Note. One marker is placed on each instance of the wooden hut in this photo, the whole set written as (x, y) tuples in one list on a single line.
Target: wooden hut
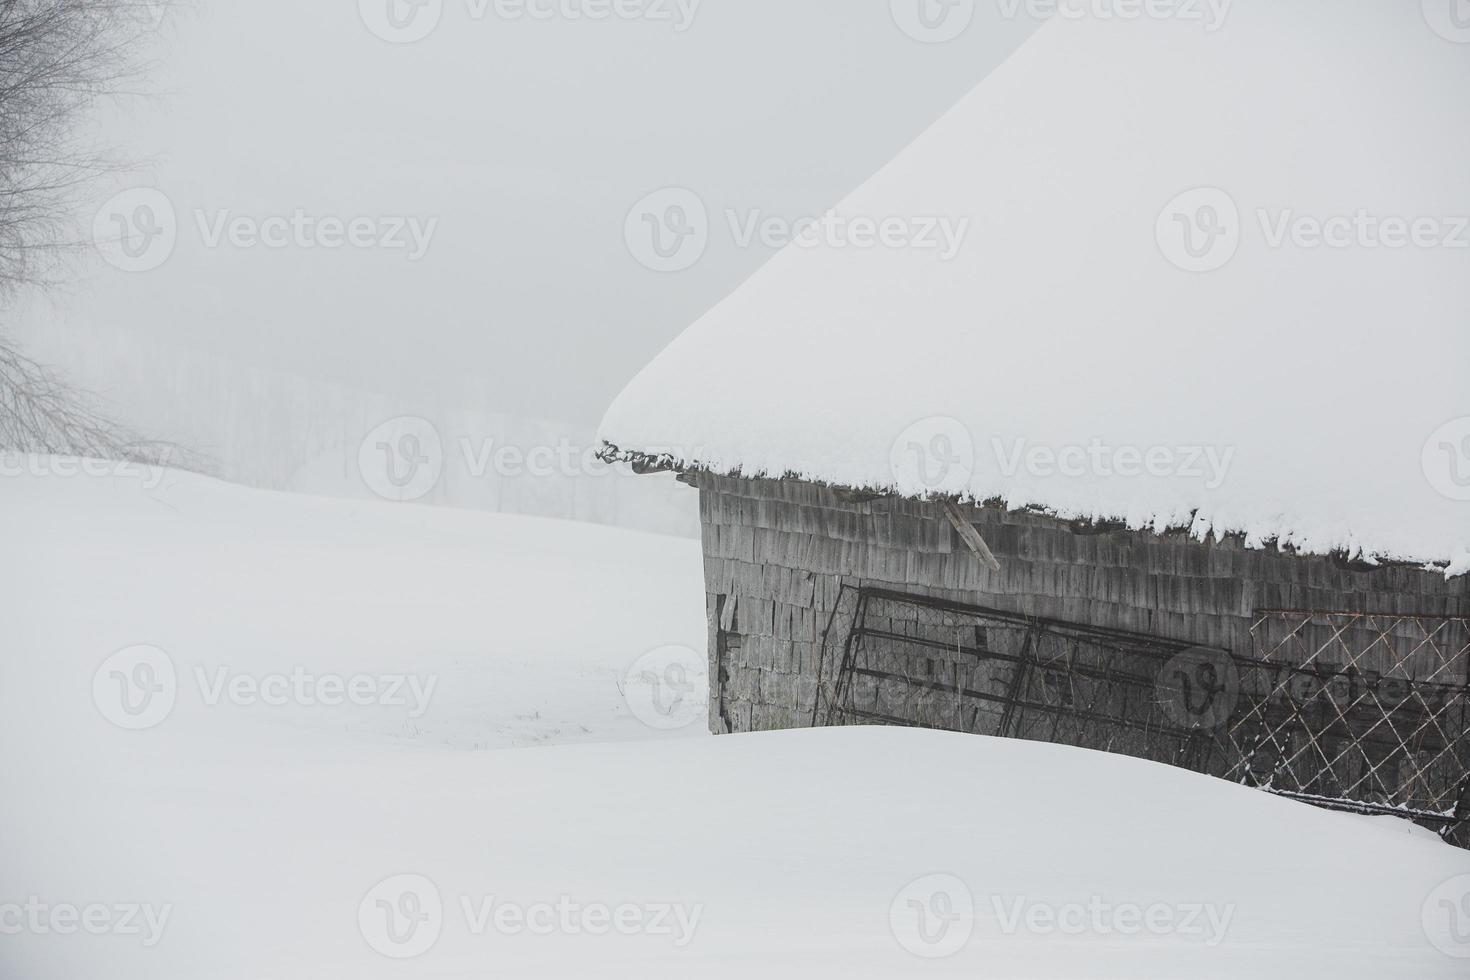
[(879, 433)]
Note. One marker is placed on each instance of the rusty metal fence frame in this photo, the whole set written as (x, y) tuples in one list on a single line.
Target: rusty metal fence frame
[(1303, 715)]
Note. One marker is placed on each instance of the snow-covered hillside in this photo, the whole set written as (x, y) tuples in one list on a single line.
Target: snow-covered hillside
[(150, 833), (527, 625)]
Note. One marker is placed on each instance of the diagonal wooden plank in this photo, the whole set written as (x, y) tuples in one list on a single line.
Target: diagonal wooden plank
[(971, 536)]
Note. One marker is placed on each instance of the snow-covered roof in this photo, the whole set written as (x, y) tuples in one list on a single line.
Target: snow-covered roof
[(1215, 278)]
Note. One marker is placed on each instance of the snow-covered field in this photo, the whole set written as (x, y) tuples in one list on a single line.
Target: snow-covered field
[(178, 801)]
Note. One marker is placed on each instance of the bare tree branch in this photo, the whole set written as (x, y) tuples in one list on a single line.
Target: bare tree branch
[(39, 413), (58, 58)]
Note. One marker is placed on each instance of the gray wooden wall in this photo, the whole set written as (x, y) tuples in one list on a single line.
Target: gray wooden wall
[(777, 552)]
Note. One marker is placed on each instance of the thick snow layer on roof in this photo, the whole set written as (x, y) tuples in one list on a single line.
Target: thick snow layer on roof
[(1209, 278)]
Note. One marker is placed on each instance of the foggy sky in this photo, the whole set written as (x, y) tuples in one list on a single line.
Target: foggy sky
[(528, 141)]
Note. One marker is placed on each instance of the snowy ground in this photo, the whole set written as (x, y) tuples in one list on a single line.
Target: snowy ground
[(527, 624), (242, 839)]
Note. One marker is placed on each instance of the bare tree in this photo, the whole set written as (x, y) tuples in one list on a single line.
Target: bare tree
[(58, 58)]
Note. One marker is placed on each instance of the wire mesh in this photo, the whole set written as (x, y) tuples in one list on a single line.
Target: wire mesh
[(1352, 711)]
